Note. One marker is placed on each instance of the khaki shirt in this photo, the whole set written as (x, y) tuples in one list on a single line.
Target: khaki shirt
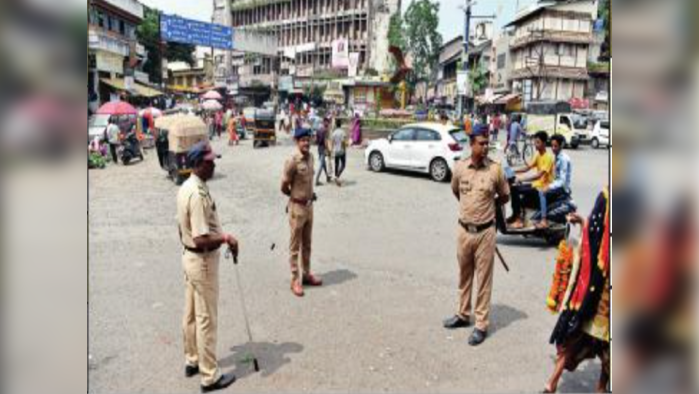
[(196, 211), (299, 173), (477, 188)]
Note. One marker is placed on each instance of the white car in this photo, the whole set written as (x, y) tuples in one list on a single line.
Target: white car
[(600, 134), (429, 148), (97, 127)]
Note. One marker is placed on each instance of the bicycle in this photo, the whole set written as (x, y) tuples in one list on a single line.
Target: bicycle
[(520, 153)]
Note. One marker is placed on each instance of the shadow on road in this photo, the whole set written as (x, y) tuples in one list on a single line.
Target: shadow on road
[(516, 240), (584, 380), (503, 315), (270, 357), (337, 277)]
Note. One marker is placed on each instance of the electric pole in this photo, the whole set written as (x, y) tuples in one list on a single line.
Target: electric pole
[(468, 15)]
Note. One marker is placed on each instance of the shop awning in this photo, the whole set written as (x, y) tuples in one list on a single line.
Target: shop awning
[(504, 100), (138, 89)]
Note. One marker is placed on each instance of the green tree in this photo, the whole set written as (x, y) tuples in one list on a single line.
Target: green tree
[(478, 78), (148, 34), (422, 40), (396, 31)]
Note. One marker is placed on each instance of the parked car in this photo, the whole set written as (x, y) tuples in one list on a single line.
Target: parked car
[(600, 134), (430, 148)]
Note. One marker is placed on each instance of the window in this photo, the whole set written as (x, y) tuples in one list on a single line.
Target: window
[(427, 135), (404, 135), (501, 60)]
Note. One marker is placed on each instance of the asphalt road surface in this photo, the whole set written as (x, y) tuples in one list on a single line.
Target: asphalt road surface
[(384, 245)]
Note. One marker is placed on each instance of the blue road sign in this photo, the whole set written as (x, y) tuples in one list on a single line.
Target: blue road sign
[(187, 31)]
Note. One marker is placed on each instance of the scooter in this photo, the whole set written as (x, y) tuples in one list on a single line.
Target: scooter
[(559, 206), (130, 148)]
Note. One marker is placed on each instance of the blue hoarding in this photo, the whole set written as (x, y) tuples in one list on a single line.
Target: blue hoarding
[(187, 31)]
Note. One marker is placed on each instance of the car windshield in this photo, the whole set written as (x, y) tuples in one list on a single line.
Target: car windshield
[(459, 136), (99, 121), (579, 121)]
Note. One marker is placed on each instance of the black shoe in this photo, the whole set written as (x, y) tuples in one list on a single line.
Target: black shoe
[(224, 381), (477, 337), (455, 322), (191, 370)]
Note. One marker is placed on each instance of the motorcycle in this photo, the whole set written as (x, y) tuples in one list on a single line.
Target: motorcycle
[(559, 205), (130, 148)]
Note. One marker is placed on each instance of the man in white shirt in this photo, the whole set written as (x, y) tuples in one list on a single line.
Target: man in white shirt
[(113, 139), (339, 143)]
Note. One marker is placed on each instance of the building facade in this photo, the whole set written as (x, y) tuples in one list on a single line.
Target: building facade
[(194, 78), (113, 51), (549, 49), (305, 32)]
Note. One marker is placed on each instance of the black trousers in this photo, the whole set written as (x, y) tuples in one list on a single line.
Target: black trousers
[(113, 151), (340, 162), (523, 195)]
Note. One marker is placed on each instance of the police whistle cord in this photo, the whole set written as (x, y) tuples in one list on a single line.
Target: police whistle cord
[(229, 254)]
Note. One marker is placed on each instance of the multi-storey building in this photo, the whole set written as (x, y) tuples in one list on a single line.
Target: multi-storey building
[(113, 49), (549, 49), (305, 31)]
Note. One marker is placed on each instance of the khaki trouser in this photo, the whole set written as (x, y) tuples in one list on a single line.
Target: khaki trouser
[(476, 255), (201, 313), (301, 224)]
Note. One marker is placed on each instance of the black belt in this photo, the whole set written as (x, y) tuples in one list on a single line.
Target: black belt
[(200, 250), (476, 228)]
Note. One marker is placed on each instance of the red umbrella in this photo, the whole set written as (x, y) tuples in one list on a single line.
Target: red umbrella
[(117, 108), (212, 95)]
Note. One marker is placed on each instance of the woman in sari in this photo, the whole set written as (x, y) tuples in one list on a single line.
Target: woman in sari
[(582, 330), (356, 130)]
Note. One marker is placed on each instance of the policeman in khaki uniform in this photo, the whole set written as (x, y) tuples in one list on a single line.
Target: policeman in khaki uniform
[(476, 182), (202, 237), (297, 184)]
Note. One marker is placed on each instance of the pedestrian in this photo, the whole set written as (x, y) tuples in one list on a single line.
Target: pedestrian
[(202, 237), (232, 126), (322, 142), (583, 328), (339, 142), (297, 184), (113, 132), (515, 132), (211, 127), (218, 119), (496, 124), (476, 183), (468, 124), (356, 130)]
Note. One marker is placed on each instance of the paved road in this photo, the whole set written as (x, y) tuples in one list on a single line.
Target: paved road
[(385, 246)]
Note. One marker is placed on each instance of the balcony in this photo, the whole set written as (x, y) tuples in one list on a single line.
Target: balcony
[(133, 7), (552, 36), (101, 41)]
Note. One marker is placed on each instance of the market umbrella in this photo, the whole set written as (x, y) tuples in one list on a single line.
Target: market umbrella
[(117, 108), (212, 95), (211, 105)]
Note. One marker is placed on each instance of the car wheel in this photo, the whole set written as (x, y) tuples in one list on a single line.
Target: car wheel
[(595, 143), (376, 162), (439, 171), (574, 145)]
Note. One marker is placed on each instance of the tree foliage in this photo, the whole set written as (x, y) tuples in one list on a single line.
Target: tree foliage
[(148, 34), (396, 31), (478, 78), (422, 40)]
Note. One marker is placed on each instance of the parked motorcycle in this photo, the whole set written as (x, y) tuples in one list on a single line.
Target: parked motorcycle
[(130, 148)]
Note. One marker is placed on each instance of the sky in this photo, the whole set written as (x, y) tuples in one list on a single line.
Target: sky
[(451, 17)]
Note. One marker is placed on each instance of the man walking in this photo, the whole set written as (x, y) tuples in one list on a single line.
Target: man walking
[(476, 183), (297, 184), (202, 236), (113, 139), (339, 143), (322, 141)]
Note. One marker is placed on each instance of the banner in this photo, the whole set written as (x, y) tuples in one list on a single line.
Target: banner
[(340, 53), (247, 41)]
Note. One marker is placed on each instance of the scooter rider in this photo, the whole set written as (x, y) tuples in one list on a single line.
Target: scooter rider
[(544, 163), (561, 182)]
